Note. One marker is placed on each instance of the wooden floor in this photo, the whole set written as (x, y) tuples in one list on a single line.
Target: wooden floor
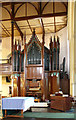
[(44, 110), (34, 119), (47, 110)]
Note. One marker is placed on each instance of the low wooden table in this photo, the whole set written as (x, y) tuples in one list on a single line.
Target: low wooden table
[(60, 103)]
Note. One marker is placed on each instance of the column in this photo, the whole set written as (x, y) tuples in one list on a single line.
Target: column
[(0, 63), (72, 44)]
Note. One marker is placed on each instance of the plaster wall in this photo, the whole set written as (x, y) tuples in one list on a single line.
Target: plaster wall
[(5, 86)]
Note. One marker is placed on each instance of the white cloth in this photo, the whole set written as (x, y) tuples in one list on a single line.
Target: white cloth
[(17, 103)]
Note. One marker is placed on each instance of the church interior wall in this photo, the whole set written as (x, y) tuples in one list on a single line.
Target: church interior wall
[(5, 92)]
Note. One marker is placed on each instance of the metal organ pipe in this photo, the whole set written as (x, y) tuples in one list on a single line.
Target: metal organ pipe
[(51, 55), (58, 49), (18, 57), (54, 53), (14, 56)]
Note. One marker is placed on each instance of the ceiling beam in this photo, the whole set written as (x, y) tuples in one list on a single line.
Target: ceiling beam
[(37, 16), (44, 6), (39, 26), (39, 8), (34, 7), (27, 20), (14, 22), (29, 25), (5, 30), (61, 28), (7, 10), (18, 9), (40, 19), (41, 22), (19, 30), (8, 3), (12, 28), (54, 16)]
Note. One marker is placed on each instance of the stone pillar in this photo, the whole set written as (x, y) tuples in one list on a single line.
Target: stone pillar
[(72, 44), (74, 49), (0, 63)]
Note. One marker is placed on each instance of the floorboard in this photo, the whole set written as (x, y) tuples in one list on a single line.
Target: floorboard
[(35, 119), (43, 111)]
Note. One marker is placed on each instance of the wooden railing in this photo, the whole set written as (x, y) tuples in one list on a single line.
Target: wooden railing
[(5, 61), (5, 66)]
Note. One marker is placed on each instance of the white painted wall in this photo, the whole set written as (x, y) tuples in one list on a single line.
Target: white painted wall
[(64, 47), (0, 62), (5, 86), (6, 47)]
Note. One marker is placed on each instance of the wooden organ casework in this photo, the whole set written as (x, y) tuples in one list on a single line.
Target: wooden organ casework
[(16, 68), (36, 68), (54, 73), (29, 66), (64, 79)]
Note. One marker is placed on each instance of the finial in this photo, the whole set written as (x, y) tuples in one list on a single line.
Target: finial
[(54, 38), (18, 42), (51, 39), (15, 42), (58, 39), (33, 31), (15, 46)]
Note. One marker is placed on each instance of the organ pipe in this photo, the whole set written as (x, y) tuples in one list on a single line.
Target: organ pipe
[(16, 57), (54, 53)]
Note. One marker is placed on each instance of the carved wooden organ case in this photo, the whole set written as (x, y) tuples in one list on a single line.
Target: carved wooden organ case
[(54, 73), (35, 57), (36, 68), (30, 66), (16, 69)]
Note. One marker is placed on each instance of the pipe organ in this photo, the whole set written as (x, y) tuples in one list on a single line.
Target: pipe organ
[(36, 68)]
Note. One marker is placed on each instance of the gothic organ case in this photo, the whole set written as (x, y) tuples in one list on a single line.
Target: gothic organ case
[(30, 66), (16, 69), (54, 73), (36, 68)]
